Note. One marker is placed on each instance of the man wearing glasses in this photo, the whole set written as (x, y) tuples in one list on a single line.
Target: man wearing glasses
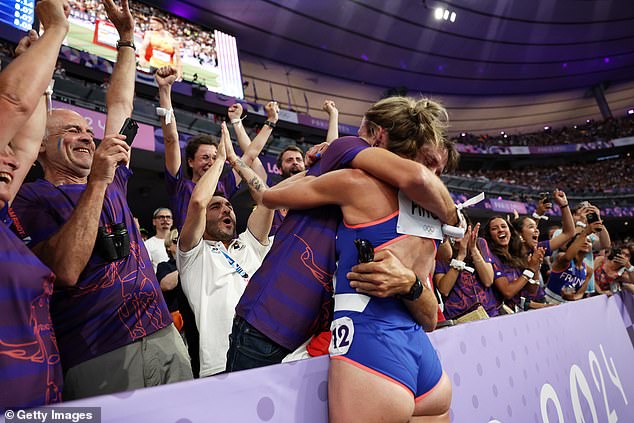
[(162, 222)]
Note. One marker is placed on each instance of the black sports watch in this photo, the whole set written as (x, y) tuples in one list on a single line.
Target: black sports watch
[(415, 291)]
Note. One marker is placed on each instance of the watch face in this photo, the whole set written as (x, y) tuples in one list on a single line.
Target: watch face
[(416, 291)]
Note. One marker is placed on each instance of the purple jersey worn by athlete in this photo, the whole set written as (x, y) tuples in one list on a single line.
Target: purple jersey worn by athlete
[(468, 290), (180, 188), (114, 303), (30, 369), (290, 297)]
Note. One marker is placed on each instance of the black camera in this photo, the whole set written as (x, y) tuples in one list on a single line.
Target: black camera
[(365, 249), (615, 252), (113, 242)]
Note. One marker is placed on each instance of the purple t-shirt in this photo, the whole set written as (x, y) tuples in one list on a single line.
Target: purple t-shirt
[(468, 290), (30, 369), (113, 303), (278, 218), (290, 297), (180, 188)]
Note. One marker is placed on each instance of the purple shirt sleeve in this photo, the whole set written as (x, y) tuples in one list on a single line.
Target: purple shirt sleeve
[(340, 153), (485, 251), (546, 245), (441, 267)]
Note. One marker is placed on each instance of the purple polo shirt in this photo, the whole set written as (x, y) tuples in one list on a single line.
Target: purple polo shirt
[(30, 369), (289, 298), (468, 290), (113, 303), (180, 188)]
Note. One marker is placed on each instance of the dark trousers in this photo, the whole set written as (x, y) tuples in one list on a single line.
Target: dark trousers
[(249, 348)]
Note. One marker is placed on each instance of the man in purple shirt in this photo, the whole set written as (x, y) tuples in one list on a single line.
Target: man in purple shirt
[(30, 370), (281, 309), (113, 328), (201, 150)]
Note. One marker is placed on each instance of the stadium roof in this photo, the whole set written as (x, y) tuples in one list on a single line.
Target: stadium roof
[(492, 47)]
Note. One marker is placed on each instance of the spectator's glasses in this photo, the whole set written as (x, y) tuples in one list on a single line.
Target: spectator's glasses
[(163, 217)]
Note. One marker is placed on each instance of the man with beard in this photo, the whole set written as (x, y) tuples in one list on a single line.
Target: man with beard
[(291, 161), (214, 264)]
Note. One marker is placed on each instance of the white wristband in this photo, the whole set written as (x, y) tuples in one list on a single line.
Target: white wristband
[(459, 265), (528, 273), (49, 96), (630, 269), (539, 217), (168, 113)]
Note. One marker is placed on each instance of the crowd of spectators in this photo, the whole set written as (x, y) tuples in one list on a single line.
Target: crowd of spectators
[(195, 42), (606, 176), (94, 307), (590, 131)]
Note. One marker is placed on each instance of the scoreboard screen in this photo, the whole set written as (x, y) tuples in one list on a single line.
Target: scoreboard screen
[(18, 13)]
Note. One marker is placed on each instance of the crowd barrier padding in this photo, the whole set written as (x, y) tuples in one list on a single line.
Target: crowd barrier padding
[(572, 362)]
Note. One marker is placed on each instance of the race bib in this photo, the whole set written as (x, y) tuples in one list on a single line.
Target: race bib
[(162, 56), (342, 333), (415, 220)]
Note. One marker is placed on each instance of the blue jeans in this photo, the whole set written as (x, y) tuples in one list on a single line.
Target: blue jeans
[(249, 348)]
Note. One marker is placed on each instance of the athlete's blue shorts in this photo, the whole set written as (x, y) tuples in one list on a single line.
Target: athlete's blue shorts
[(403, 353)]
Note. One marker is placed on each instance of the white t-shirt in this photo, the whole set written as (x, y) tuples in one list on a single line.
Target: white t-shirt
[(156, 249), (213, 279)]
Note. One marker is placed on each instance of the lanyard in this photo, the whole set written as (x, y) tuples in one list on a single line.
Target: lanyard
[(234, 265)]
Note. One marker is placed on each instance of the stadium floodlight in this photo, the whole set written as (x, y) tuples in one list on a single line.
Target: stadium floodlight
[(438, 13), (452, 17), (630, 112), (546, 128)]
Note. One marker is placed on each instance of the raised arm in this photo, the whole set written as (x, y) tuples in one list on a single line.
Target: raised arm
[(120, 95), (251, 150), (446, 282), (333, 120), (68, 251), (568, 222), (604, 240), (261, 219), (165, 78), (477, 247), (25, 79), (415, 180), (507, 288), (316, 151), (27, 141), (194, 226)]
